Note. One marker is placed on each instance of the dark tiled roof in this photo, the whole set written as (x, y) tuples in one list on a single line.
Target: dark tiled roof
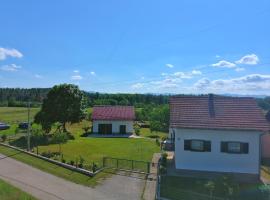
[(113, 113), (240, 113)]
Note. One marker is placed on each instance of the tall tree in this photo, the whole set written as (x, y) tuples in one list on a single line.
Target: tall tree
[(65, 103)]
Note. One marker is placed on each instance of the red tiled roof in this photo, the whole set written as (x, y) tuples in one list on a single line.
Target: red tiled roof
[(113, 113), (240, 113)]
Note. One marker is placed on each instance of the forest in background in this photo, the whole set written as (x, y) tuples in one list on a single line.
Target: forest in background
[(19, 97)]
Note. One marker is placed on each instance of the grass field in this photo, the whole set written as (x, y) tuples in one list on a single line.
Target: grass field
[(8, 192), (16, 114), (13, 116), (182, 188), (52, 168)]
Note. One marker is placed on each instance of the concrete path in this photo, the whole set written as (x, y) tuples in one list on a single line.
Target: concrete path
[(45, 186), (150, 186)]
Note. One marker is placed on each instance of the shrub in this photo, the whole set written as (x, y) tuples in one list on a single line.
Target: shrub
[(63, 160), (71, 162), (4, 137), (81, 161), (94, 167)]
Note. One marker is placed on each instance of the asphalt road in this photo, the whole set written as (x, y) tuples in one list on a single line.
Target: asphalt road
[(45, 186)]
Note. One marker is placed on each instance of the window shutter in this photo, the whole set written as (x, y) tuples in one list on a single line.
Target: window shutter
[(207, 146), (224, 147), (244, 148), (187, 145)]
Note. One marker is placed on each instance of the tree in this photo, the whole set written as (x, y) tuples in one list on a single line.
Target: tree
[(159, 118), (65, 103), (59, 138)]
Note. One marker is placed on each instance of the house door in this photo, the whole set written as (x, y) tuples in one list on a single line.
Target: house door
[(123, 129), (105, 128)]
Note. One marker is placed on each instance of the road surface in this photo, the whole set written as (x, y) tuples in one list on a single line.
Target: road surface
[(45, 186)]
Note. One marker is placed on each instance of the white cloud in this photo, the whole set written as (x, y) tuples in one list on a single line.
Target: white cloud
[(38, 76), (224, 64), (196, 72), (240, 69), (182, 75), (76, 77), (167, 83), (4, 53), (93, 73), (217, 56), (137, 86), (11, 68), (253, 83), (170, 65), (250, 59), (76, 71), (172, 80)]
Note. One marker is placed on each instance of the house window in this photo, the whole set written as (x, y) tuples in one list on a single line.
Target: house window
[(197, 145), (234, 147)]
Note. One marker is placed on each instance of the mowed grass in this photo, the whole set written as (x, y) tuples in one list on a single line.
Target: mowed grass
[(145, 132), (52, 168), (94, 149), (8, 192)]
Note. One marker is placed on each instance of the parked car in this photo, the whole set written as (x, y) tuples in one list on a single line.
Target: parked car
[(23, 125), (4, 126)]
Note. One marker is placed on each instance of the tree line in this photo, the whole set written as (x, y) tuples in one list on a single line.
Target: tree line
[(19, 97)]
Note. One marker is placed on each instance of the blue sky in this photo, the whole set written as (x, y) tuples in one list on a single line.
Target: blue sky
[(137, 46)]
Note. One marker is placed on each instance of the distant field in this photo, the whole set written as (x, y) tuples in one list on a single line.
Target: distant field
[(16, 114), (8, 192)]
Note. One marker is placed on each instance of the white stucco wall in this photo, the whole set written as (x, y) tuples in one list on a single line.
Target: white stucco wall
[(115, 125), (216, 160)]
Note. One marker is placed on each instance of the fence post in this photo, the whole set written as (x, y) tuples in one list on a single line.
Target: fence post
[(116, 163), (148, 167), (132, 164), (103, 161)]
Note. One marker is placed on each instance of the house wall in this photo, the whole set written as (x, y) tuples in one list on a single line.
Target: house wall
[(266, 146), (216, 160), (115, 125)]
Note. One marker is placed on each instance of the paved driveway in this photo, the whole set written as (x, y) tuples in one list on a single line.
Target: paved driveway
[(45, 186)]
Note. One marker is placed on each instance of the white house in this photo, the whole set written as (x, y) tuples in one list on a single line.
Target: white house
[(113, 119), (217, 133)]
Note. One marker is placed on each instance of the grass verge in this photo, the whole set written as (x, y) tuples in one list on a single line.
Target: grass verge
[(52, 168), (8, 192)]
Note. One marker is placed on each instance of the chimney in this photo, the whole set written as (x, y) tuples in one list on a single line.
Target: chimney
[(211, 106)]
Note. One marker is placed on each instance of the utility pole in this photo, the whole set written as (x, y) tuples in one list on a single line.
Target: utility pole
[(28, 128)]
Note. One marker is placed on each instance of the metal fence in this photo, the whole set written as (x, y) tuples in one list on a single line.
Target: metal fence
[(125, 164)]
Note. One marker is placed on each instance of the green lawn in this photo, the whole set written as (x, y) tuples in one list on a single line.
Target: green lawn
[(145, 132), (8, 192), (182, 188), (94, 149), (52, 168)]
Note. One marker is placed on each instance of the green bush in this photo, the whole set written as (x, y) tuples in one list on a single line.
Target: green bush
[(72, 162)]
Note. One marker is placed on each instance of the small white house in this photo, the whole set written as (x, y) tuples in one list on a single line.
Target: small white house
[(217, 133), (113, 119)]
